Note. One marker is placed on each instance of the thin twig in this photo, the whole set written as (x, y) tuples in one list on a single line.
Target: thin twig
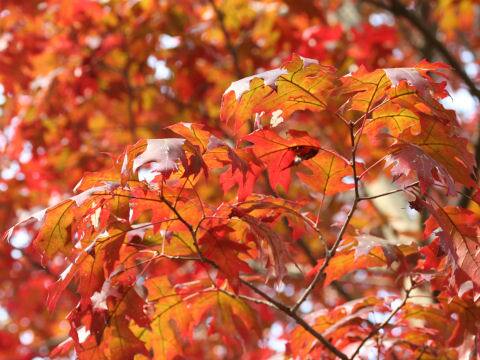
[(187, 224), (383, 324), (247, 298), (388, 193), (319, 276), (313, 261), (379, 161)]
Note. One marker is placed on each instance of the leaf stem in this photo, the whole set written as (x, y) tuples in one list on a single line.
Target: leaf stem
[(379, 161), (388, 192)]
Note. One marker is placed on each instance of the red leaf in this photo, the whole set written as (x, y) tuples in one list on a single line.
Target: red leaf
[(279, 154), (216, 246)]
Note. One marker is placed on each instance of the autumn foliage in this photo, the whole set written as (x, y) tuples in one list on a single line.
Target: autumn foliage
[(238, 180)]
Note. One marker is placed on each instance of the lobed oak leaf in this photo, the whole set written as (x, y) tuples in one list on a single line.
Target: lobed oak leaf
[(300, 84), (55, 234), (38, 216), (408, 97), (132, 307), (197, 141), (216, 246), (434, 155), (232, 318), (459, 237), (434, 320), (56, 222), (146, 204), (243, 171), (364, 89), (418, 76), (107, 249), (393, 119), (120, 342), (90, 350), (168, 241), (414, 89), (194, 133), (467, 314), (56, 289), (337, 324), (270, 210), (94, 179), (101, 190), (348, 260), (268, 207), (406, 157), (90, 276), (396, 96), (275, 254), (165, 153)]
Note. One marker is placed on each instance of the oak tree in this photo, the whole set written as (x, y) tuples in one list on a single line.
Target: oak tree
[(239, 179)]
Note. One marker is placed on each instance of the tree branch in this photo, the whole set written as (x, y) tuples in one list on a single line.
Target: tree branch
[(383, 324), (313, 261), (331, 252), (297, 319)]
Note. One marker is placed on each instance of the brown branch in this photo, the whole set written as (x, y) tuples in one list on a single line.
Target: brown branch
[(383, 324), (313, 262), (320, 274), (297, 319)]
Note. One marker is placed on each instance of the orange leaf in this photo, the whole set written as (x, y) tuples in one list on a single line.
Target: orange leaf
[(300, 84), (328, 173)]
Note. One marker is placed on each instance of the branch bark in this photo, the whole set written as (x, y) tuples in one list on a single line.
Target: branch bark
[(313, 261)]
